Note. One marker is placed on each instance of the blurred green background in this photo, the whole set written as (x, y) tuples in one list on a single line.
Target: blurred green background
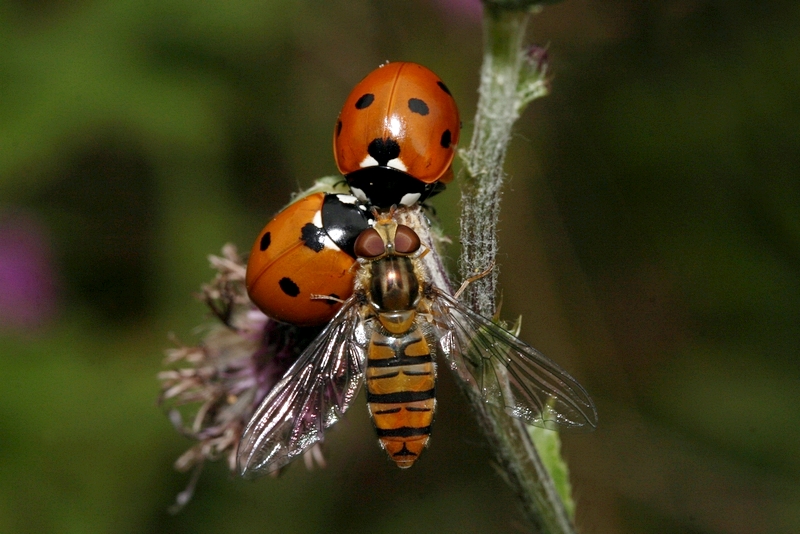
[(650, 239)]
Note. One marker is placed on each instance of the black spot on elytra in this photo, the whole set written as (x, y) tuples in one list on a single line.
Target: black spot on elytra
[(418, 106), (338, 128), (443, 87), (266, 239), (334, 299), (288, 286), (365, 101), (383, 150), (313, 237), (446, 139)]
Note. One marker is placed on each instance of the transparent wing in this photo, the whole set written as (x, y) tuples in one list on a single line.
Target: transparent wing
[(311, 396), (508, 372)]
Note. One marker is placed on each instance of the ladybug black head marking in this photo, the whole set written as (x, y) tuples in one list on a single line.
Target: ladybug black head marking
[(384, 186)]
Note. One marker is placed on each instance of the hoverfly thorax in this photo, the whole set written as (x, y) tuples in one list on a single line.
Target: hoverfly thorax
[(394, 289), (394, 293)]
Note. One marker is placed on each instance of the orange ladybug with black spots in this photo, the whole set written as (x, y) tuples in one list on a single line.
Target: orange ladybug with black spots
[(307, 249), (395, 138)]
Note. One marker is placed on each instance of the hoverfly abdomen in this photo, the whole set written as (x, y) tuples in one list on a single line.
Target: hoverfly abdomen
[(401, 379)]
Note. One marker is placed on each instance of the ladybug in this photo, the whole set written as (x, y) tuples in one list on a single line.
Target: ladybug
[(307, 249), (395, 138)]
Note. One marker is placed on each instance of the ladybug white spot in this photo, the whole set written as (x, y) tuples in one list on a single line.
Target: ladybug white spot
[(347, 199), (359, 193), (369, 161), (409, 199), (332, 236), (397, 164), (327, 242)]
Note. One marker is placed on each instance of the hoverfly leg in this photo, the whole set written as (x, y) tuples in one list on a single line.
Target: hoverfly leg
[(332, 298), (473, 278)]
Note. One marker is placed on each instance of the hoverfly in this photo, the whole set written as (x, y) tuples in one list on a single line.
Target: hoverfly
[(386, 335)]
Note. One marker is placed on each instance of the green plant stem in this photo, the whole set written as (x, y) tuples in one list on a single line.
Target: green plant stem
[(509, 81)]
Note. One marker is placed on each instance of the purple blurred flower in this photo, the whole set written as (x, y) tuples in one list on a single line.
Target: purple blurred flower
[(212, 389), (471, 10), (28, 291)]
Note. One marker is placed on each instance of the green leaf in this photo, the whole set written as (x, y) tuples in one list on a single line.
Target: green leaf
[(548, 444)]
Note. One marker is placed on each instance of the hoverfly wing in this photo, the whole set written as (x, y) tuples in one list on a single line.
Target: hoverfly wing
[(508, 372), (313, 394)]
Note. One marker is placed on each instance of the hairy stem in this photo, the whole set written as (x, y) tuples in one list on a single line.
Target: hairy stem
[(511, 76)]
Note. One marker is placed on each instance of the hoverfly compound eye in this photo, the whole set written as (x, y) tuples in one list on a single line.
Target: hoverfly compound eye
[(369, 244), (406, 240)]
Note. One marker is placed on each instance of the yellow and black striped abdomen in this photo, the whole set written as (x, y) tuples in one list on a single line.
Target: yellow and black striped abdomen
[(401, 379)]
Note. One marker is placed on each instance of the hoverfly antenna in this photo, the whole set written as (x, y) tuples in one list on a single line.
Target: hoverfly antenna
[(385, 216)]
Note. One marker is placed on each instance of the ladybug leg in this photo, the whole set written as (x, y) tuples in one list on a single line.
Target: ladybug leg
[(471, 279)]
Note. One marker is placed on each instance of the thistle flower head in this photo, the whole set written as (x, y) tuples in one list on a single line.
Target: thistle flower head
[(211, 390)]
